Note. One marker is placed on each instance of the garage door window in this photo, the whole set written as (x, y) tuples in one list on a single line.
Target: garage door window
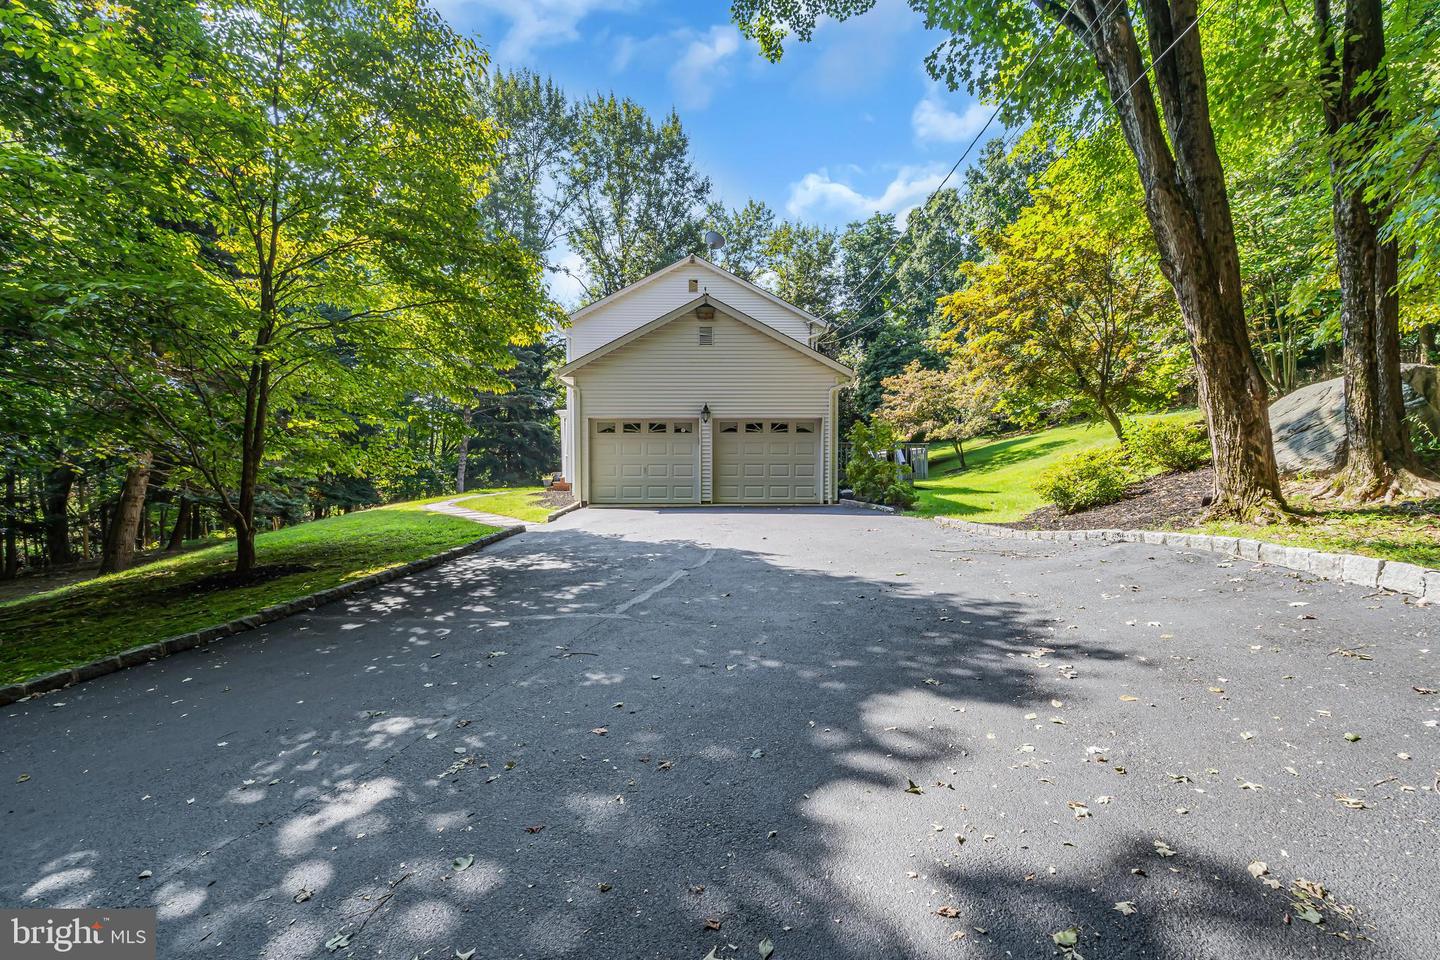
[(684, 428), (754, 428), (731, 427), (779, 426), (632, 426), (605, 427), (655, 426), (804, 428)]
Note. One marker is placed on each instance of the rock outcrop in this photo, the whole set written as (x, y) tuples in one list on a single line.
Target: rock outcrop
[(1309, 424)]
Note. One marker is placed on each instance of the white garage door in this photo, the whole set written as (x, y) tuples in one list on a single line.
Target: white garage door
[(767, 461), (644, 461)]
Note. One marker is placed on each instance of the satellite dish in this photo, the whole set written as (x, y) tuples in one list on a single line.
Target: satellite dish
[(713, 240)]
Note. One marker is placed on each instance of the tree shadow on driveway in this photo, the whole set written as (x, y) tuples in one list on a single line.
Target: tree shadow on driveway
[(589, 746)]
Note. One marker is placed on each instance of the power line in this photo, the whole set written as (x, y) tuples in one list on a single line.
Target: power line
[(895, 272), (1034, 57), (1093, 128)]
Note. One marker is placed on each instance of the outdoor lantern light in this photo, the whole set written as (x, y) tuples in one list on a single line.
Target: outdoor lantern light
[(705, 413)]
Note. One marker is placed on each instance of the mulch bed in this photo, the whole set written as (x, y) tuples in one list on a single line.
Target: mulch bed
[(1167, 500), (556, 499)]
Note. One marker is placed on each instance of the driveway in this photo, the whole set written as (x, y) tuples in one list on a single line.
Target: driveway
[(647, 734)]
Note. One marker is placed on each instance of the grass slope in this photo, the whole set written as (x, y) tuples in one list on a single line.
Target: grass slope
[(999, 486), (522, 503), (81, 622)]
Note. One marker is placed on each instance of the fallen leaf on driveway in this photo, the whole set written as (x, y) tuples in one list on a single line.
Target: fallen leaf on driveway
[(22, 778), (600, 731), (1424, 691), (1126, 907), (460, 863), (466, 955), (338, 941), (948, 911), (1128, 699), (766, 948), (1258, 868), (1163, 849), (913, 787), (711, 923), (536, 828), (604, 887), (1353, 737), (1352, 803), (303, 895)]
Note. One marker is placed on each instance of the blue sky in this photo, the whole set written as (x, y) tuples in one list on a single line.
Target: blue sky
[(843, 126)]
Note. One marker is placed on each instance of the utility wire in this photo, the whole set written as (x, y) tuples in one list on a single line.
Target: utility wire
[(1104, 118), (1034, 57)]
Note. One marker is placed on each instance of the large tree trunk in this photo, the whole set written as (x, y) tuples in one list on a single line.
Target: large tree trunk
[(1189, 213), (1427, 343), (119, 550), (1378, 450), (55, 505)]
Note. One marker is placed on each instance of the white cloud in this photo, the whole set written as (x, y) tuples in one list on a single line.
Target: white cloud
[(816, 196), (933, 122), (701, 69), (533, 23)]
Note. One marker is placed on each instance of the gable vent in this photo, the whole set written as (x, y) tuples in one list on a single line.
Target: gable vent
[(707, 336), (694, 286)]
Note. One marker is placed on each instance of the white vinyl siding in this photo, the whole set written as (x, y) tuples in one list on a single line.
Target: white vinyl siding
[(638, 307), (745, 373)]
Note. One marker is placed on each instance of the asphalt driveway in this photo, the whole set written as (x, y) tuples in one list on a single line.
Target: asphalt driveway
[(641, 734)]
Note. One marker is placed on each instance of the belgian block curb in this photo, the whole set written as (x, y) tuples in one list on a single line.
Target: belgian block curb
[(557, 514), (1391, 575), (199, 638), (866, 505)]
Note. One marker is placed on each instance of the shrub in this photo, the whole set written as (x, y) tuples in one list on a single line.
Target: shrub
[(1083, 480), (871, 474), (1169, 444)]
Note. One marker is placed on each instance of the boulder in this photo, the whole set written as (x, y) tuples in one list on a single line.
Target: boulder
[(1309, 424)]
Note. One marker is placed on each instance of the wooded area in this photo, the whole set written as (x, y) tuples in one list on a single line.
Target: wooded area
[(239, 294)]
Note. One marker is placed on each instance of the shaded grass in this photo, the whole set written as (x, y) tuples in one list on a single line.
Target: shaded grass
[(1408, 532), (522, 503), (999, 486), (77, 623)]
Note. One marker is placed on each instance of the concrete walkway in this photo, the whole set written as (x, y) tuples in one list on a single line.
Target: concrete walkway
[(450, 508)]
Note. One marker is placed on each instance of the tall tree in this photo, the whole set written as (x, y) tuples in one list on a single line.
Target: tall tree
[(337, 254), (800, 266), (746, 230), (1173, 145), (1353, 89), (635, 194)]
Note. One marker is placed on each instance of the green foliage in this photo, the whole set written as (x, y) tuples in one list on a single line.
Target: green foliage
[(1091, 478), (633, 193), (870, 473), (1168, 443)]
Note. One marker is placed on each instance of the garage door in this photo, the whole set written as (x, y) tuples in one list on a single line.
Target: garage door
[(644, 461), (767, 461)]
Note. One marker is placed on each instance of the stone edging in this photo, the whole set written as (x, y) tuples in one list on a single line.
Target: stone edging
[(1393, 575), (199, 638), (867, 505), (557, 514)]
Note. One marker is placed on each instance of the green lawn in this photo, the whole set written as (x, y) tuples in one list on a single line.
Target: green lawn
[(522, 503), (81, 622), (999, 486)]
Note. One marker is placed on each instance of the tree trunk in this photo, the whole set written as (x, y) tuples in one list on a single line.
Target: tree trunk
[(12, 551), (1353, 82), (1427, 343), (182, 518), (1113, 418), (463, 455), (119, 550), (1189, 213), (55, 506)]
